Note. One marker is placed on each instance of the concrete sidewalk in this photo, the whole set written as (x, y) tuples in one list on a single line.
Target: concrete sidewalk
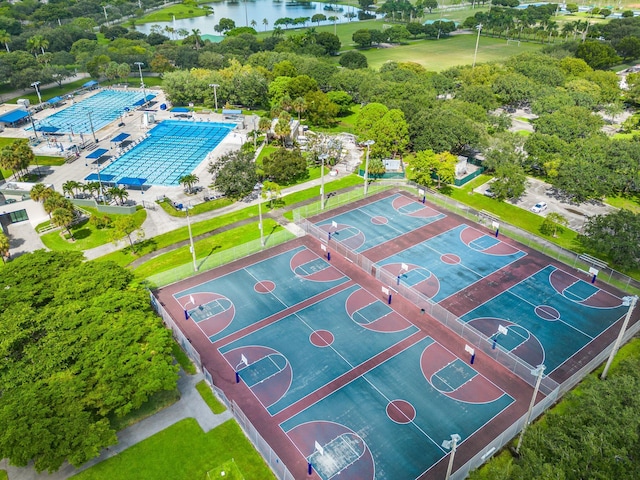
[(190, 405)]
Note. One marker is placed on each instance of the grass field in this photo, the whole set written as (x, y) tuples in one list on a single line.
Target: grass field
[(437, 55), (183, 452), (209, 398)]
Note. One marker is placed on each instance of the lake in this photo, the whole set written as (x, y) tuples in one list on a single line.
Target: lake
[(244, 12)]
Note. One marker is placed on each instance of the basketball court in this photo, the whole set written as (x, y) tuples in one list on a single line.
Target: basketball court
[(342, 375)]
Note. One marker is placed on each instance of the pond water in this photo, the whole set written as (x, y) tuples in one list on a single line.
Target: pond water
[(244, 12)]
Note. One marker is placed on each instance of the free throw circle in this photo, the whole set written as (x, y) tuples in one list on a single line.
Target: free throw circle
[(321, 338), (547, 313), (450, 258), (379, 220), (265, 286), (401, 411)]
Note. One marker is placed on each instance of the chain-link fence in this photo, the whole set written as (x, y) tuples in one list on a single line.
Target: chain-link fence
[(277, 466), (217, 259), (177, 333)]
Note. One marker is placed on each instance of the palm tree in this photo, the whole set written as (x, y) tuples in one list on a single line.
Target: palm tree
[(37, 42), (5, 37), (196, 35), (299, 106), (92, 188), (265, 22), (63, 217), (283, 128), (334, 19), (40, 192), (71, 187), (4, 247), (264, 125), (189, 181), (55, 201), (254, 24)]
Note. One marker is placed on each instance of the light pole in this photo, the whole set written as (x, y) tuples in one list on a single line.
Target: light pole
[(35, 85), (191, 247), (451, 444), (323, 157), (144, 92), (260, 216), (539, 370), (215, 94), (368, 143), (631, 303), (479, 27), (33, 125)]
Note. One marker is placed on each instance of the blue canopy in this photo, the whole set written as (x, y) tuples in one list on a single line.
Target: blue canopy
[(90, 83), (54, 100), (47, 129), (132, 181), (180, 109), (14, 116), (103, 178), (97, 153), (120, 137), (231, 112), (145, 99)]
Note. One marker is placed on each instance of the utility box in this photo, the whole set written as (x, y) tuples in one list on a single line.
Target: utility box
[(23, 102)]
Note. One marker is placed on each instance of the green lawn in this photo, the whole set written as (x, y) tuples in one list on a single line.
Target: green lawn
[(167, 206), (156, 402), (4, 475), (210, 399), (438, 55), (182, 358), (183, 452), (87, 236), (48, 93), (166, 14), (628, 203), (205, 248)]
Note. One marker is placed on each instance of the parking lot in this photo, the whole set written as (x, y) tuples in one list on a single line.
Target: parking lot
[(539, 191)]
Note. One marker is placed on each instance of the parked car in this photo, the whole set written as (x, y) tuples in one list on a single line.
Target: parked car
[(489, 193), (539, 207)]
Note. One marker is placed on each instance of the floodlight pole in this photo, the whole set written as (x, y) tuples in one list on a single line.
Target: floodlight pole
[(33, 124), (323, 157), (93, 133), (451, 444), (479, 27), (144, 92), (35, 85), (538, 371), (368, 143), (631, 302), (215, 92), (191, 247), (260, 217)]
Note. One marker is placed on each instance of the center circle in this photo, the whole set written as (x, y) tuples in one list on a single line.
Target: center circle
[(265, 286), (321, 338), (450, 258), (401, 411), (547, 313), (379, 220)]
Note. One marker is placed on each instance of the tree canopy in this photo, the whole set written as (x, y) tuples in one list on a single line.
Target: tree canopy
[(80, 345)]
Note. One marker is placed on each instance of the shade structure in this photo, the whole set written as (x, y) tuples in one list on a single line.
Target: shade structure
[(97, 153), (104, 178), (90, 83), (54, 100), (132, 181), (180, 109), (47, 129), (120, 137), (14, 116)]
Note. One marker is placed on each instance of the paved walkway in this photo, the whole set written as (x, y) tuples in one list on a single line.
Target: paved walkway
[(190, 405)]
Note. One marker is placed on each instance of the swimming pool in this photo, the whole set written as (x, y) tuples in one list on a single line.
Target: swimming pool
[(100, 109), (172, 149)]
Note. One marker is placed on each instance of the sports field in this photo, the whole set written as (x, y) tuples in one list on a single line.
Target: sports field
[(343, 375)]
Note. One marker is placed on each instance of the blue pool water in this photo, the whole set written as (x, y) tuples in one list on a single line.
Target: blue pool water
[(174, 148), (105, 107)]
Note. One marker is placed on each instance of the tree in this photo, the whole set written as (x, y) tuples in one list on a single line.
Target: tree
[(5, 37), (426, 167), (127, 226), (188, 181), (40, 192), (37, 43), (597, 54), (235, 174), (63, 217), (553, 224), (572, 8), (299, 105), (264, 125), (285, 167), (61, 314), (628, 48), (329, 41), (505, 158), (282, 128), (271, 191), (442, 129), (224, 25), (319, 17), (616, 236), (391, 135), (265, 22), (569, 123), (320, 109), (362, 38), (367, 117), (353, 60), (5, 246)]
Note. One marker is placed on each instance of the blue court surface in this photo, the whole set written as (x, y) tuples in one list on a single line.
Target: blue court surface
[(259, 290), (313, 367), (172, 150), (561, 321), (378, 222), (104, 107), (402, 447), (448, 263)]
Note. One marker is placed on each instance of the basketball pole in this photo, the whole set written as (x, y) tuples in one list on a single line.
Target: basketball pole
[(538, 371), (631, 303), (368, 143)]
